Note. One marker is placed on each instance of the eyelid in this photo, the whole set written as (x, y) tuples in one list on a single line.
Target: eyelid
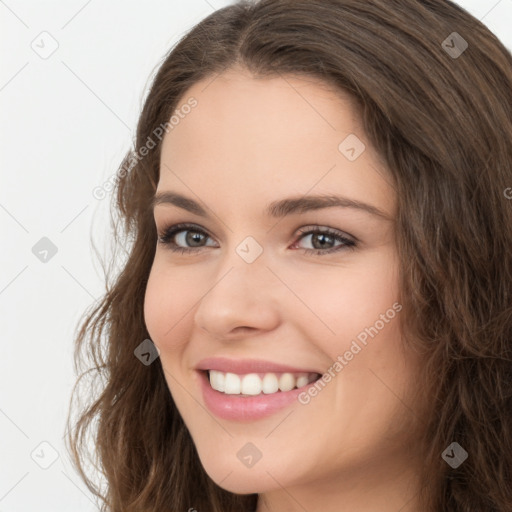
[(300, 231), (321, 227), (347, 240)]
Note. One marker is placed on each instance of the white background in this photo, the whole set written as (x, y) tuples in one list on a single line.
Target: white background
[(66, 122)]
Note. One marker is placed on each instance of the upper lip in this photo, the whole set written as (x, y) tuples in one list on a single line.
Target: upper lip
[(244, 366)]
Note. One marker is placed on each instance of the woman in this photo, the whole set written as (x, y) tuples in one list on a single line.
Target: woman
[(315, 309)]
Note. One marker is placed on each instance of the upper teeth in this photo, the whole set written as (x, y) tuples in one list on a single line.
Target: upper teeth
[(254, 384)]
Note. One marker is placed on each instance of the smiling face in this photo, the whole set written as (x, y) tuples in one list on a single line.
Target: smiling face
[(269, 284)]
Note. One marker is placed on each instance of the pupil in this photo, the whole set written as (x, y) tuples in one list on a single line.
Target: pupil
[(323, 238), (191, 239)]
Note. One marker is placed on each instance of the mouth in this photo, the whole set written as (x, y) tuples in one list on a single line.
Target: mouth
[(252, 396), (254, 384)]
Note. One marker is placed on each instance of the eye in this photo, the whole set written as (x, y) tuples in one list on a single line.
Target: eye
[(323, 238), (196, 236), (173, 237)]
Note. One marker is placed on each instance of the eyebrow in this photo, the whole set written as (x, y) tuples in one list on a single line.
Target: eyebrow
[(277, 209)]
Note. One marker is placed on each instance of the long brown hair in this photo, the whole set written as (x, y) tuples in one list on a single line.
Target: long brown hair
[(434, 89)]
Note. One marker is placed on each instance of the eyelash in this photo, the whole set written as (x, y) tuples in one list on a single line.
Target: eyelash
[(169, 232)]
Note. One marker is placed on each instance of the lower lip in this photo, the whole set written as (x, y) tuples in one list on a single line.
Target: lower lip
[(246, 408)]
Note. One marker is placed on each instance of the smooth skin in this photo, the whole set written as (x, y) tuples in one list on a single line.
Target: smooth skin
[(248, 142)]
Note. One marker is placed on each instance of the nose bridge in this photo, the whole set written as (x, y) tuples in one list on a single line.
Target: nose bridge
[(242, 292), (249, 250), (243, 273)]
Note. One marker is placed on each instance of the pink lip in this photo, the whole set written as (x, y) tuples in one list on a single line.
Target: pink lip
[(246, 408), (244, 366)]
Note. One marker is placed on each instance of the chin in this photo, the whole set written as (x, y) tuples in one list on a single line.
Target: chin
[(235, 477)]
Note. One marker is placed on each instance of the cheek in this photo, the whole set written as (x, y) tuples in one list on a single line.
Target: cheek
[(167, 302), (352, 301), (151, 309)]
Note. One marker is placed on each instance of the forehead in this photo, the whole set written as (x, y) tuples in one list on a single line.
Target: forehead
[(270, 137), (286, 107)]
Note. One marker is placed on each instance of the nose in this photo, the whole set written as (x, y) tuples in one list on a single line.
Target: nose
[(241, 298)]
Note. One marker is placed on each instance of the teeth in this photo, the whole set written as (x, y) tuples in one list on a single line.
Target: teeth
[(217, 380), (232, 384), (302, 381), (286, 382), (270, 384), (253, 384)]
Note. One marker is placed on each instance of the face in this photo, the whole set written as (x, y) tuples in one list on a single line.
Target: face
[(264, 279)]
